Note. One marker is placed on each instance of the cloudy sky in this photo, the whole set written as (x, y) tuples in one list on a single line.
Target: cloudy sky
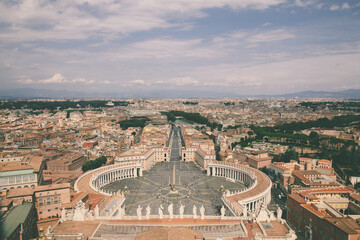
[(241, 46)]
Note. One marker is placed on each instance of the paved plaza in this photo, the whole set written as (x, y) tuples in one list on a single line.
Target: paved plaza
[(192, 185)]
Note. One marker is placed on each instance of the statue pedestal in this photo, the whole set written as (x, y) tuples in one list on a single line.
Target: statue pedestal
[(174, 191)]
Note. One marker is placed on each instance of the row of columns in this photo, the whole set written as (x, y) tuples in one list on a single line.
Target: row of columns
[(256, 205), (241, 176), (230, 173), (119, 174)]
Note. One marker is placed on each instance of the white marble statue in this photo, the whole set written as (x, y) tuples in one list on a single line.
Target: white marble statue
[(161, 214), (278, 213), (63, 215), (148, 210), (245, 213), (181, 210), (79, 212), (194, 211), (171, 210), (222, 210), (263, 214), (202, 212), (96, 212), (138, 212), (121, 213)]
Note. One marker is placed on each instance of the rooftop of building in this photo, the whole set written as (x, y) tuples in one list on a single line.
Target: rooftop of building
[(18, 192), (346, 224), (169, 233), (13, 218), (13, 166), (263, 183)]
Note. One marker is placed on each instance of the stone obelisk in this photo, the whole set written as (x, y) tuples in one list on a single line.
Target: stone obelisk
[(173, 176), (172, 188)]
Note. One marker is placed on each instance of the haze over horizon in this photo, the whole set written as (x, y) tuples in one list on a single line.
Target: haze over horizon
[(241, 46)]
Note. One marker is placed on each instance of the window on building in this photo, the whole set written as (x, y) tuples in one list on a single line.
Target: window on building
[(40, 201), (48, 200), (55, 199)]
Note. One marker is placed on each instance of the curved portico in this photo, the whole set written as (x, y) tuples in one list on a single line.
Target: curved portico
[(94, 180), (258, 186)]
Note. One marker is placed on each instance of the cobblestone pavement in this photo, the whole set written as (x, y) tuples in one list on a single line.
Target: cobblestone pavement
[(192, 184)]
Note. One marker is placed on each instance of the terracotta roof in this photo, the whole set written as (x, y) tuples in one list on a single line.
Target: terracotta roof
[(326, 190), (259, 159), (5, 202), (297, 198), (13, 166), (36, 162), (346, 224), (310, 208), (356, 197), (263, 183), (85, 227), (300, 176), (278, 229), (30, 191), (309, 172), (169, 233)]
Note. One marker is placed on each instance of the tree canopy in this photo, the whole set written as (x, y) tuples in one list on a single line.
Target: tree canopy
[(92, 164)]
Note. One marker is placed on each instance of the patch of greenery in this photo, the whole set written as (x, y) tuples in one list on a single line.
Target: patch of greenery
[(193, 117), (190, 103), (92, 164), (229, 103), (290, 154), (134, 122)]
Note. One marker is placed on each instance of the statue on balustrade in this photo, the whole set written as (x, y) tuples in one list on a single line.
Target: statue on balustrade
[(171, 210), (202, 212), (194, 211), (223, 210), (138, 212), (148, 210), (181, 210)]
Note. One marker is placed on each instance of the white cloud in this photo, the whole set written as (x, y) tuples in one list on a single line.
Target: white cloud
[(166, 48), (31, 20), (178, 81), (268, 36), (319, 6), (254, 37), (304, 3), (138, 82), (56, 78), (182, 81), (25, 81), (334, 7), (82, 80), (345, 6), (320, 72)]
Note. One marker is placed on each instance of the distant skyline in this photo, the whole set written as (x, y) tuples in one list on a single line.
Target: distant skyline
[(236, 46)]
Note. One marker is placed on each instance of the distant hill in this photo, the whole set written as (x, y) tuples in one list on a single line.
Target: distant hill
[(346, 94), (32, 93)]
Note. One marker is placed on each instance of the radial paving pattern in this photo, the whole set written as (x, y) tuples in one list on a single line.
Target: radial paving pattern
[(192, 185)]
